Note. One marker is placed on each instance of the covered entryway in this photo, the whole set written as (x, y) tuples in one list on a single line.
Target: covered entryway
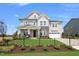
[(34, 33)]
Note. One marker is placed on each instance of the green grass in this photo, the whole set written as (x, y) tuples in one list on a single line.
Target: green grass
[(35, 42), (67, 53), (44, 42)]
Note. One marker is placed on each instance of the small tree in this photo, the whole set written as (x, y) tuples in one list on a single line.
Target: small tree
[(15, 35), (3, 29), (23, 37)]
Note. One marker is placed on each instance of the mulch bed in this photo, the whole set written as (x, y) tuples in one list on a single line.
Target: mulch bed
[(19, 49)]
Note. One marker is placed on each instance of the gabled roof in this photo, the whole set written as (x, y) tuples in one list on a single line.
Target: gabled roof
[(33, 13), (40, 15), (43, 15)]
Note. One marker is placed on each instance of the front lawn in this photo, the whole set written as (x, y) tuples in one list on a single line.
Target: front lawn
[(35, 42), (67, 53)]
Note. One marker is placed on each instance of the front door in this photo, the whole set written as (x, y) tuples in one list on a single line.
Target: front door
[(34, 33)]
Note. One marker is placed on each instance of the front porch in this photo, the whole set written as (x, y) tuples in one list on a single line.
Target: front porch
[(33, 32)]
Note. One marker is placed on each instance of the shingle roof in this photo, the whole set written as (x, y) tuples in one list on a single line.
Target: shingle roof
[(54, 21), (73, 19)]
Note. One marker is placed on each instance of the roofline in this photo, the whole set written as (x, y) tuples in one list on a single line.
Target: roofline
[(54, 21), (70, 21), (26, 19), (33, 11)]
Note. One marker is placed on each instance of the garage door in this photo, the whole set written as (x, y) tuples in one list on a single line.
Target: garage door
[(54, 35)]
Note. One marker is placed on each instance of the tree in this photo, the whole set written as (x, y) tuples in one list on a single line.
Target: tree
[(3, 30)]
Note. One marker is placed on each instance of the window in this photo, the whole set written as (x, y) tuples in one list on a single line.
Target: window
[(34, 23), (55, 25), (52, 25), (40, 22), (44, 22)]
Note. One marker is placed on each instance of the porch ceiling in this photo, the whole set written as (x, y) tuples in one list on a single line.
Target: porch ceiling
[(28, 27)]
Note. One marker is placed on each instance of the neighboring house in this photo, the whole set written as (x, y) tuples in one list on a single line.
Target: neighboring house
[(39, 25), (72, 27)]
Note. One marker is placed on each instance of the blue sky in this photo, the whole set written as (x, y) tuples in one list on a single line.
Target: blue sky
[(10, 13)]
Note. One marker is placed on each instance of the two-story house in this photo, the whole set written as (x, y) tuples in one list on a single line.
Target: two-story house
[(39, 25)]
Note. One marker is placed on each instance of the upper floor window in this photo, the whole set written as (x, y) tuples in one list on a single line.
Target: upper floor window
[(44, 22), (34, 23), (54, 25), (41, 23)]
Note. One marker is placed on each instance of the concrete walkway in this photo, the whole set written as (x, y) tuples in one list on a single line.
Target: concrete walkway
[(73, 42)]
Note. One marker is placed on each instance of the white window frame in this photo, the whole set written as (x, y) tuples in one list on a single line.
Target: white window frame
[(44, 22), (41, 22)]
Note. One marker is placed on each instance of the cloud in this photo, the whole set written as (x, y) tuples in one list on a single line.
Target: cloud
[(16, 15), (23, 4)]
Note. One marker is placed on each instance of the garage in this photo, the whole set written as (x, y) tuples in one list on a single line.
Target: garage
[(54, 35)]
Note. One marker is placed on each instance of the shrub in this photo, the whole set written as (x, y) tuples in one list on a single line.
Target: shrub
[(69, 47), (6, 48), (32, 49), (23, 48), (45, 49), (6, 42)]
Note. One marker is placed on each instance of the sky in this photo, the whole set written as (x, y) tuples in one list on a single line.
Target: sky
[(10, 13)]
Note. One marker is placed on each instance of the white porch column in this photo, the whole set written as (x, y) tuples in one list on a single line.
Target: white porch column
[(18, 32), (38, 33)]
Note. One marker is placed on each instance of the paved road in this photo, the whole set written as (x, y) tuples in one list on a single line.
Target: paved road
[(73, 42)]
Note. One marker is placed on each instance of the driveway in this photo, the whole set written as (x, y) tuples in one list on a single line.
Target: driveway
[(73, 42)]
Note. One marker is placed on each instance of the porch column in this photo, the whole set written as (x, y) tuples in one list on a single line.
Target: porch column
[(38, 33), (18, 33)]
